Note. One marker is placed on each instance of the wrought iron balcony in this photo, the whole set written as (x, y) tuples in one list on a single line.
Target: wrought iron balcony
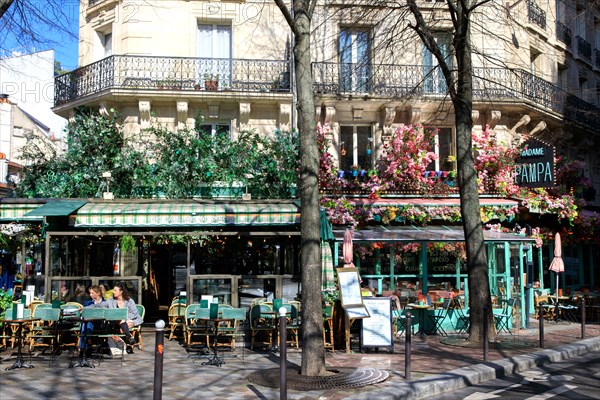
[(536, 14), (584, 48), (421, 81), (563, 33), (172, 73)]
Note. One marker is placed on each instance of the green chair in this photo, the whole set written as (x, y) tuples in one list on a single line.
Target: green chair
[(234, 330), (261, 321), (43, 333), (293, 323), (113, 317), (195, 327), (136, 331)]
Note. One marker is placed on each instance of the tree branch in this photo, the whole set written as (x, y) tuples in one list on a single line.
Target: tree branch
[(287, 15)]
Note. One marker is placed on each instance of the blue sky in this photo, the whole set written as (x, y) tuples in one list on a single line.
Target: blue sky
[(62, 37)]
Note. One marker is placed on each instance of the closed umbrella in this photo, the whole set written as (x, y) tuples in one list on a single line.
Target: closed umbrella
[(347, 249), (327, 274), (557, 264)]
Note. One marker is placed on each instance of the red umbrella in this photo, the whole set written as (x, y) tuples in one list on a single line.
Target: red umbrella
[(347, 249), (557, 264)]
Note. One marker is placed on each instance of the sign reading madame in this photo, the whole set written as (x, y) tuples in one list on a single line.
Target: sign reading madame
[(534, 167)]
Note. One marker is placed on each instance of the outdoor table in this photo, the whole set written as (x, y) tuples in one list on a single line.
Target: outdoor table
[(421, 309), (83, 361), (215, 359), (20, 363)]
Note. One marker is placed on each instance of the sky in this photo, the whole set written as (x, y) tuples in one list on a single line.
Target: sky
[(55, 24)]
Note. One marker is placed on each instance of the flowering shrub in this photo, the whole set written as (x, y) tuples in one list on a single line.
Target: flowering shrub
[(495, 164)]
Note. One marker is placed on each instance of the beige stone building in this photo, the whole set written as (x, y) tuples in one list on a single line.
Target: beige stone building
[(537, 71)]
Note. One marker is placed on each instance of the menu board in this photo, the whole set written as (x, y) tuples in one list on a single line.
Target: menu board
[(377, 329), (349, 283)]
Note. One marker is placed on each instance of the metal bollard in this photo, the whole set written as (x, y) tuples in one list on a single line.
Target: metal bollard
[(582, 317), (541, 316), (282, 354), (158, 359), (486, 342), (407, 345)]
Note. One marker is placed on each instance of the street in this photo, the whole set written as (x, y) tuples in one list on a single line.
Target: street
[(577, 378)]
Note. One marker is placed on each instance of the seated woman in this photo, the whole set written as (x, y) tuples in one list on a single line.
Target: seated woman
[(122, 299)]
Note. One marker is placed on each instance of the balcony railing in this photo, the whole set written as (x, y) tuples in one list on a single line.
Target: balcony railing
[(172, 73), (536, 14), (584, 48), (563, 33), (491, 84)]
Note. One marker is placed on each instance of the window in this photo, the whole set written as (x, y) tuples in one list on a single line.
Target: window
[(215, 129), (562, 81), (534, 60), (443, 148), (583, 87), (104, 45), (434, 81), (356, 147), (214, 49), (355, 62), (580, 24)]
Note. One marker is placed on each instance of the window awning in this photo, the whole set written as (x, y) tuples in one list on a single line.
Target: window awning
[(186, 214), (57, 208), (425, 234), (17, 212)]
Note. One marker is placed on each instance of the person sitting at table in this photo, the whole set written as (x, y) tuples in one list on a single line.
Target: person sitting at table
[(96, 297), (122, 299)]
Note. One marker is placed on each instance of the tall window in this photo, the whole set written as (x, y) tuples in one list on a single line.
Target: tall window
[(562, 76), (443, 149), (356, 147), (434, 81), (104, 45), (215, 129), (355, 60), (214, 49), (580, 24)]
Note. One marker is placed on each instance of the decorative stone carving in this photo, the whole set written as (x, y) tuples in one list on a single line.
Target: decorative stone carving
[(285, 116), (525, 119), (357, 113), (182, 113), (414, 116), (244, 115), (474, 116), (103, 109), (389, 115), (330, 113), (213, 111), (492, 117), (539, 128), (318, 113), (144, 107)]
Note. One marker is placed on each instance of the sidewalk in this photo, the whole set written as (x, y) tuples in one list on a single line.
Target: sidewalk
[(436, 367)]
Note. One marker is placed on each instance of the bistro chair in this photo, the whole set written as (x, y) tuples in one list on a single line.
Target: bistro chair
[(261, 321), (195, 327), (112, 318), (69, 325), (463, 319), (328, 327), (568, 311), (293, 324), (438, 318), (43, 333), (136, 331), (234, 330), (503, 319), (176, 316)]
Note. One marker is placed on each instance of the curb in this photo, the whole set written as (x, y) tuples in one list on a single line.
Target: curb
[(476, 374)]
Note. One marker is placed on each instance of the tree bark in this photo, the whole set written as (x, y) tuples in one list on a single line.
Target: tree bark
[(4, 6), (313, 352)]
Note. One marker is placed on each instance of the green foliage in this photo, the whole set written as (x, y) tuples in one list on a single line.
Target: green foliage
[(5, 302), (127, 243)]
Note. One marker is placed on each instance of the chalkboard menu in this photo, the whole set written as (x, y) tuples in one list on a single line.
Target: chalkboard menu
[(377, 329)]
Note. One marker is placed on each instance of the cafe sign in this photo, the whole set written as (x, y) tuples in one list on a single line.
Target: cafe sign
[(534, 167)]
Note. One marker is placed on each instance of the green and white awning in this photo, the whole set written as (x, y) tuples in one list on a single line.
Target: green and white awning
[(16, 212), (186, 214)]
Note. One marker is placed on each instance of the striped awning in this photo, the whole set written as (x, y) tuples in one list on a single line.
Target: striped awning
[(185, 214), (15, 212)]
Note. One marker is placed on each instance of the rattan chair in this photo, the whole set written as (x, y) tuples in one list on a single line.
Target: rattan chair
[(176, 316)]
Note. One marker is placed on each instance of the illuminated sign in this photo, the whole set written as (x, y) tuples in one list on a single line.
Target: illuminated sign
[(534, 168)]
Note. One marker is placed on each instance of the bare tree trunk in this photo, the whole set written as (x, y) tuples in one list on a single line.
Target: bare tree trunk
[(4, 6), (460, 86), (313, 352)]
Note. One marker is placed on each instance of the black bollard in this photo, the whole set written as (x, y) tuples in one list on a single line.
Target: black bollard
[(486, 342), (158, 359), (541, 316), (582, 317), (282, 354), (407, 345)]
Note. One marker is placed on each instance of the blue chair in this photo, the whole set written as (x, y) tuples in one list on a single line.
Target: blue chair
[(438, 317), (503, 319)]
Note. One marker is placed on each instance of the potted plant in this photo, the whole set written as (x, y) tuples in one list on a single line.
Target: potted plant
[(211, 81)]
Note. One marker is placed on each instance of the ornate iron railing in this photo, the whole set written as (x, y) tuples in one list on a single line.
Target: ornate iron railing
[(92, 3), (584, 48), (563, 33), (173, 73), (536, 14), (493, 84)]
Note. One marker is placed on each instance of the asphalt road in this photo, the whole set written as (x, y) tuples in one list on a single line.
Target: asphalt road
[(573, 379)]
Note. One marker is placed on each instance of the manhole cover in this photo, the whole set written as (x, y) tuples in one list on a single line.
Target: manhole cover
[(337, 378)]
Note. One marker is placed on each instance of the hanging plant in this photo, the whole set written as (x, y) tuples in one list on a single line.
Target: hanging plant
[(127, 243)]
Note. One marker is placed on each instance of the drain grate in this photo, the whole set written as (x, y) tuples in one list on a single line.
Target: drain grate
[(338, 378)]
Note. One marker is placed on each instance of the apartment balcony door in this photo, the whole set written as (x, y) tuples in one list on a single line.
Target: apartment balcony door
[(355, 62), (433, 78), (214, 50), (356, 147)]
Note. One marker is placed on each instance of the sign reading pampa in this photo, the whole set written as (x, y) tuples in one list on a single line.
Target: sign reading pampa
[(534, 168)]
